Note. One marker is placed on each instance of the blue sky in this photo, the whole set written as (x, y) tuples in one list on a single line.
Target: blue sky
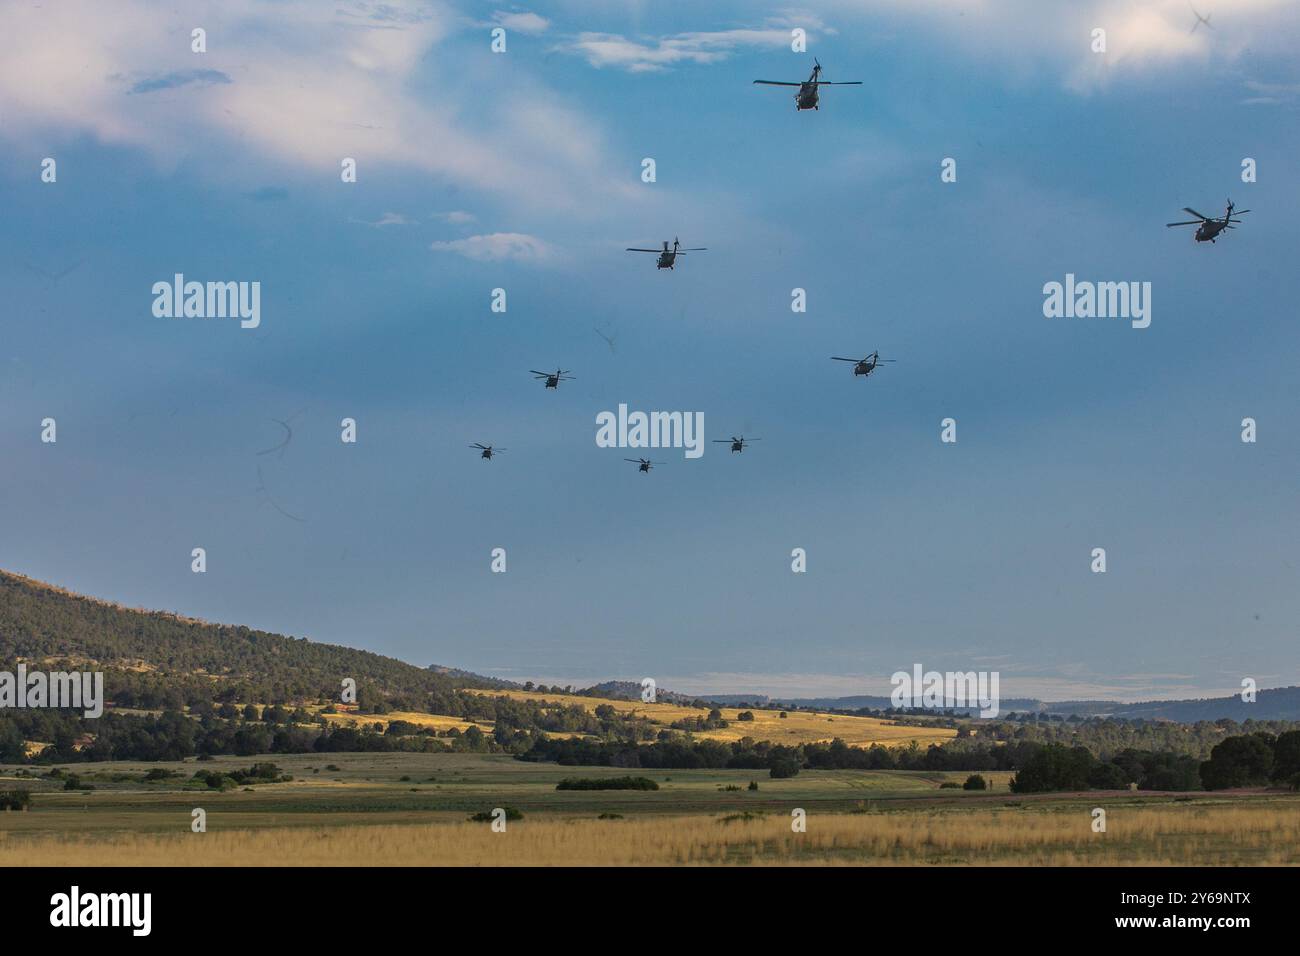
[(521, 171)]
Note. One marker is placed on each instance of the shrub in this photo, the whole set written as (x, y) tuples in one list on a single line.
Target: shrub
[(784, 767), (485, 816), (975, 782), (742, 817), (607, 783), (15, 799)]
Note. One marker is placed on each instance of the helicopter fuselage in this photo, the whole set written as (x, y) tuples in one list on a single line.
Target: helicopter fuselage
[(666, 260), (864, 368), (737, 446), (1207, 230), (552, 381), (806, 98)]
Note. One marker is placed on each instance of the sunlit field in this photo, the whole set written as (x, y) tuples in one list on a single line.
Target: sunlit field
[(798, 727), (1265, 834), (413, 810)]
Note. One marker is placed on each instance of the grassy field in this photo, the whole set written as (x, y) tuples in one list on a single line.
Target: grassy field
[(418, 718), (799, 727), (364, 812)]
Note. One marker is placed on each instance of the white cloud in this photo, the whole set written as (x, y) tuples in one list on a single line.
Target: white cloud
[(1270, 94), (523, 22), (456, 217), (642, 56), (1057, 37), (302, 85), (498, 246), (387, 219)]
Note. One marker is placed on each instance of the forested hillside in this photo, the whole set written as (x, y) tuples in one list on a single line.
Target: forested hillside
[(154, 659)]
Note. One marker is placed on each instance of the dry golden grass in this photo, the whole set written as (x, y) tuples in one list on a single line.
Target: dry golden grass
[(800, 727), (434, 721), (1207, 835)]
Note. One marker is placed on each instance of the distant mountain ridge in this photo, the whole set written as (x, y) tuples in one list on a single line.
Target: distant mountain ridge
[(1282, 703)]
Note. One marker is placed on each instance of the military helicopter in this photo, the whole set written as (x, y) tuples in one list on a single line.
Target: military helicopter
[(737, 444), (806, 98), (643, 464), (487, 450), (863, 366), (668, 256), (1209, 228), (553, 379)]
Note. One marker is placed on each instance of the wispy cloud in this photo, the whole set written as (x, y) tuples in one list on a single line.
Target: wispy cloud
[(301, 85), (179, 78), (455, 217), (1271, 94), (267, 194), (1022, 35), (387, 219), (498, 246), (521, 21), (660, 53)]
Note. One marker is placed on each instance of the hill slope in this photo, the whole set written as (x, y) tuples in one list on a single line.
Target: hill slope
[(150, 658)]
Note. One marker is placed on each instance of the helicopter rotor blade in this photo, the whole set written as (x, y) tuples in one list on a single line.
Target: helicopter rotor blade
[(776, 83), (1193, 222), (1194, 212), (837, 358), (630, 249)]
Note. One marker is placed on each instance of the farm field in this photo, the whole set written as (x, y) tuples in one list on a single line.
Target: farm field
[(418, 718), (364, 813), (799, 727)]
